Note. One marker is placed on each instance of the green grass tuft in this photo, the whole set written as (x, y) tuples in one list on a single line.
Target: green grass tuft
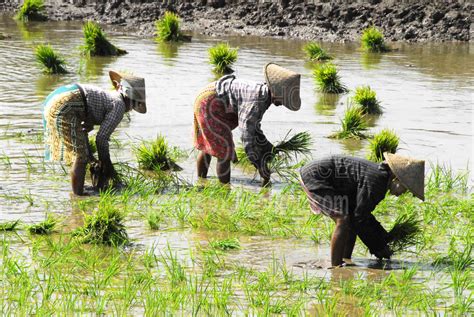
[(353, 124), (373, 41), (222, 56), (168, 29), (226, 244), (96, 43), (9, 225), (157, 155), (31, 10), (366, 98), (315, 52), (51, 62), (328, 80), (45, 227), (384, 141), (154, 218), (105, 225)]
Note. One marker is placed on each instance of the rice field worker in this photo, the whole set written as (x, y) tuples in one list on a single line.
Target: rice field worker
[(347, 189), (231, 102), (71, 111)]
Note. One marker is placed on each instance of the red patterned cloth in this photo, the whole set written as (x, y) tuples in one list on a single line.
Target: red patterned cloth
[(214, 120)]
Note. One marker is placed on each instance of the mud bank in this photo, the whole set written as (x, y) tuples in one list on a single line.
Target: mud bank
[(414, 21)]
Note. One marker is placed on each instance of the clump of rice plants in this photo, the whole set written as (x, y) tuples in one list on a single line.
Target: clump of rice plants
[(51, 62), (353, 124), (315, 52), (328, 80), (372, 40), (157, 155), (154, 218), (366, 98), (168, 29), (96, 43), (384, 141), (31, 10), (104, 226), (45, 227), (404, 233), (226, 244), (9, 225), (222, 56)]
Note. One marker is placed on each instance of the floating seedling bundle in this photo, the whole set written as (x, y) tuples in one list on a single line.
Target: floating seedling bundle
[(96, 43), (157, 155), (328, 80), (51, 62), (45, 227), (405, 233), (372, 40), (353, 124), (168, 29), (31, 10), (384, 141), (315, 52), (366, 98), (222, 56)]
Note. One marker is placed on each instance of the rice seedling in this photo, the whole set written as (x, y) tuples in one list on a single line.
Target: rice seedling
[(104, 226), (154, 219), (328, 80), (352, 125), (168, 29), (384, 141), (9, 225), (445, 179), (92, 145), (372, 40), (315, 52), (45, 227), (225, 244), (405, 233), (96, 43), (31, 10), (157, 155), (51, 62), (222, 56), (366, 98)]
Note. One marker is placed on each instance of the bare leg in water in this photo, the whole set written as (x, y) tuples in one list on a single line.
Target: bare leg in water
[(203, 162), (339, 241), (350, 243), (78, 175), (223, 171)]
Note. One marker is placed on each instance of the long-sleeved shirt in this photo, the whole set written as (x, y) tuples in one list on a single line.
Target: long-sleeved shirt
[(363, 183), (106, 109), (249, 100)]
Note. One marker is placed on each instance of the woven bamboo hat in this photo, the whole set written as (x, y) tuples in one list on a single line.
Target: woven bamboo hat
[(410, 172), (134, 88), (284, 85)]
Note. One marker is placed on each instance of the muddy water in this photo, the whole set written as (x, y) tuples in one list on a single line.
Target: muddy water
[(426, 91)]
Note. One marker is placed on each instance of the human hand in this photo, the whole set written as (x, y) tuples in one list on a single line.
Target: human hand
[(384, 253)]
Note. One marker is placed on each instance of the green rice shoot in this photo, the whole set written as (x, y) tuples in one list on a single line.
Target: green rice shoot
[(157, 155), (96, 43), (328, 80), (168, 28), (222, 56), (384, 141), (366, 98), (9, 225), (92, 145), (353, 124), (315, 52), (372, 40), (45, 227), (405, 233), (154, 220), (225, 244), (51, 62), (31, 10)]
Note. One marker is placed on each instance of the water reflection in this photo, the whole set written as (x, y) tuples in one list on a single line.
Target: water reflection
[(90, 68), (47, 83), (169, 51), (30, 31), (370, 60), (352, 146), (327, 103)]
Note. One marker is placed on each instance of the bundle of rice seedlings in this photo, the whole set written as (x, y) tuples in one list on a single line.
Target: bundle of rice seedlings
[(366, 98), (157, 155), (45, 227), (51, 62), (353, 124), (31, 10), (92, 145), (328, 80), (372, 40), (384, 141), (154, 218), (9, 225), (96, 43), (226, 244), (222, 56), (104, 226), (405, 233), (315, 52), (168, 29)]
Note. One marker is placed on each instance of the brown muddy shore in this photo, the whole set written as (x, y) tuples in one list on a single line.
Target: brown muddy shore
[(408, 20)]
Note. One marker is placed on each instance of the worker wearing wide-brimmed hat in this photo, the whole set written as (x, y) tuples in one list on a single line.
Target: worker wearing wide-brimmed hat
[(347, 189), (71, 111), (231, 102)]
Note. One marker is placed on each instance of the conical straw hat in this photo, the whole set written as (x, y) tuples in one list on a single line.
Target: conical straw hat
[(284, 85), (410, 172), (137, 85)]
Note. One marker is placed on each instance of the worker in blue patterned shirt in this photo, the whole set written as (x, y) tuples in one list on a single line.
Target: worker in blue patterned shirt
[(71, 111)]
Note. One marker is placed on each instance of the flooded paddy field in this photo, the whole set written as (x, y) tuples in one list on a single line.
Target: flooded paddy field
[(278, 261)]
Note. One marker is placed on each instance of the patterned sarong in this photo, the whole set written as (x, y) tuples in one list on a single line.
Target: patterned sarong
[(63, 113), (213, 125)]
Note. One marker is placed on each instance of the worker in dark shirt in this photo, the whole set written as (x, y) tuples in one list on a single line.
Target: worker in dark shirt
[(348, 189)]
